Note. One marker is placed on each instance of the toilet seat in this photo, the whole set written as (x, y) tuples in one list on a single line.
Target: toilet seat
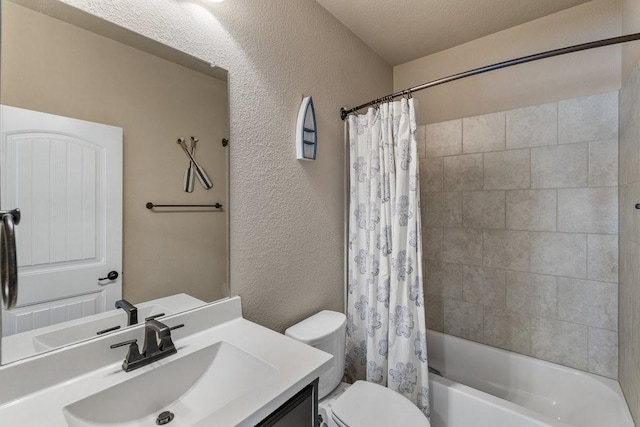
[(366, 404)]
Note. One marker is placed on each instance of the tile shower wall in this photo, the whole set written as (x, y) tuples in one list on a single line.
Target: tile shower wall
[(630, 241), (520, 226)]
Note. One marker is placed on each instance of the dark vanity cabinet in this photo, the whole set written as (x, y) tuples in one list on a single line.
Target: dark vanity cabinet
[(299, 411)]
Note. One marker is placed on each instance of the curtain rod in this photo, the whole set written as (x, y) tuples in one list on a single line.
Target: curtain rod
[(530, 58)]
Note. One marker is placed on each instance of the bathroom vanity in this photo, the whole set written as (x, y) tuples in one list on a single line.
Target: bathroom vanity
[(227, 371)]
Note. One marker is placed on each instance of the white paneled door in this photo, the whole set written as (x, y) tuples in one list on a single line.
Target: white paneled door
[(65, 176)]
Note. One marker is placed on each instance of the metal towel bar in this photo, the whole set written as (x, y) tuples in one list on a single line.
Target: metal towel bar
[(150, 205)]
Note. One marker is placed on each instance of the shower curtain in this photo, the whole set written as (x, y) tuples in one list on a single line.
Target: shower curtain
[(386, 331)]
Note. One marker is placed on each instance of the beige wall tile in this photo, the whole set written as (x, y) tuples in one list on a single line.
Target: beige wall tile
[(603, 163), (462, 245), (531, 210), (483, 209), (483, 133), (507, 170), (603, 352), (533, 294), (559, 166), (431, 209), (588, 303), (507, 249), (463, 173), (421, 142), (602, 261), (431, 174), (444, 279), (560, 342), (485, 286), (434, 312), (443, 139), (508, 330), (559, 254), (588, 210), (590, 118), (432, 243), (532, 126), (441, 209), (463, 319), (452, 214)]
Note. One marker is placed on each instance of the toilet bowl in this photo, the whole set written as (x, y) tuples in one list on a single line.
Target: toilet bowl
[(362, 404)]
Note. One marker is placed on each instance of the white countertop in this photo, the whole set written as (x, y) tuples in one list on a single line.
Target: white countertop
[(296, 365)]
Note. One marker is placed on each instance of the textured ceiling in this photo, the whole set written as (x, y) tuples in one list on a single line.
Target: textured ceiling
[(400, 31)]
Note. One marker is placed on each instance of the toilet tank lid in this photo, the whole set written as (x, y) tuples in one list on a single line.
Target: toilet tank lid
[(317, 328)]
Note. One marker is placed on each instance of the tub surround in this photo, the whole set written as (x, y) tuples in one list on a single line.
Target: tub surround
[(521, 231), (91, 367)]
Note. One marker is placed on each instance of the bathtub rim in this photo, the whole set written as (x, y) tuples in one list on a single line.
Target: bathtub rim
[(495, 401), (609, 383)]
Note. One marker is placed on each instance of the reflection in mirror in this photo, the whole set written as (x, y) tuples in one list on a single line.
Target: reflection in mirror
[(90, 118)]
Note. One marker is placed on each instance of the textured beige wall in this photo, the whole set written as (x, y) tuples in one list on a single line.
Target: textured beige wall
[(571, 76), (630, 24), (629, 185), (286, 215), (51, 66)]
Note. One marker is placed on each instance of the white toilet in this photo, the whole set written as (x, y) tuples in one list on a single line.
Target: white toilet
[(362, 404)]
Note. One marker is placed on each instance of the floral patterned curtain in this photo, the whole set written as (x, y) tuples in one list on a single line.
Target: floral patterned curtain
[(386, 331)]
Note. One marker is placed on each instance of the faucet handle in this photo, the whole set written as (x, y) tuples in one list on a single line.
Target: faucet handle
[(166, 342), (122, 344), (133, 355)]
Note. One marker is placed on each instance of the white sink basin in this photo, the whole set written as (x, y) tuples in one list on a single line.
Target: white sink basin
[(191, 387), (89, 328)]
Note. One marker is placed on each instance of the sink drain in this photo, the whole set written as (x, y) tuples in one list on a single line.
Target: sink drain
[(164, 418)]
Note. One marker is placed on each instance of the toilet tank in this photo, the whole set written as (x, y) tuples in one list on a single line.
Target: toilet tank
[(324, 331)]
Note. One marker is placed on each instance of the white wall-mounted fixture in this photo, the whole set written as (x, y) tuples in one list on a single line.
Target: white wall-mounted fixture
[(306, 131)]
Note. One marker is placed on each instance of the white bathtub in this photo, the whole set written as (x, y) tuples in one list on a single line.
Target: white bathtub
[(484, 386)]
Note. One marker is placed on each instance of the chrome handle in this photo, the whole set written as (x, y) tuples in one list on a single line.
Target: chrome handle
[(8, 258)]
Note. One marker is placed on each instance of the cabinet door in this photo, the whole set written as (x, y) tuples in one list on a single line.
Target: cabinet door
[(299, 411)]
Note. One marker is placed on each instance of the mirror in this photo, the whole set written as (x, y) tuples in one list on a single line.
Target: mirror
[(90, 118)]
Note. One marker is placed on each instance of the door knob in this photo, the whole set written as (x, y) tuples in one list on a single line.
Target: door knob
[(113, 275)]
